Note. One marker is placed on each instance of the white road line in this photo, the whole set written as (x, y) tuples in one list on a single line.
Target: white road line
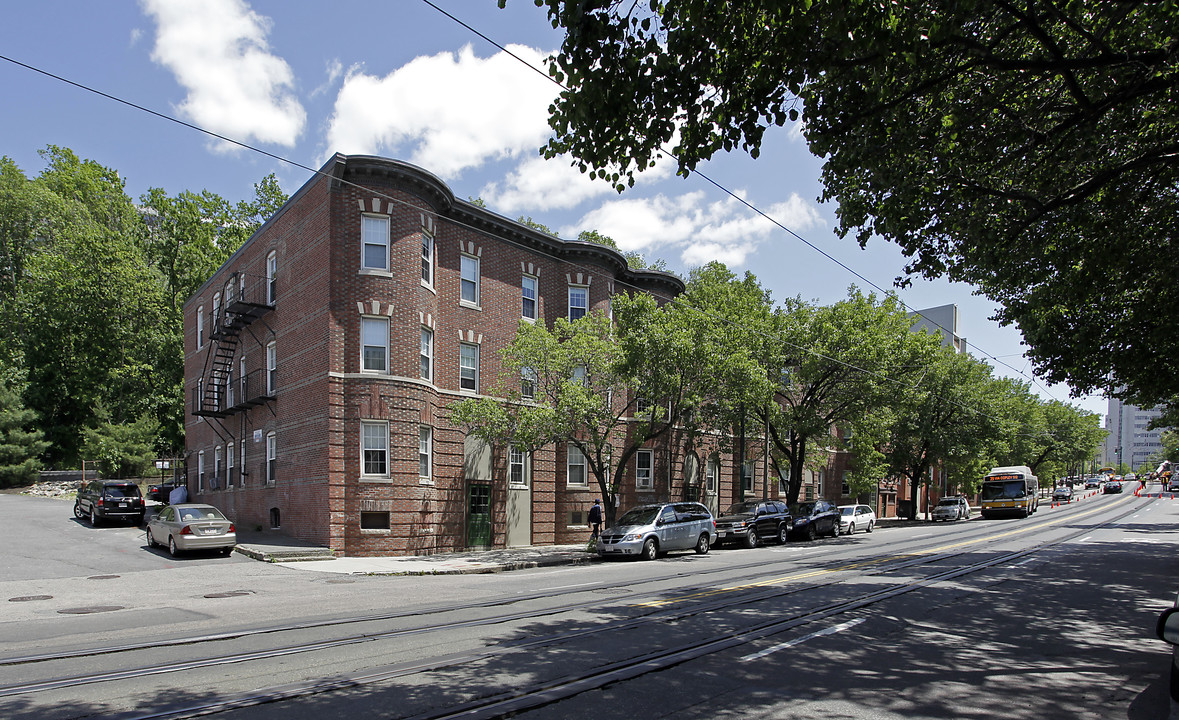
[(559, 587), (914, 537), (782, 646), (1085, 539)]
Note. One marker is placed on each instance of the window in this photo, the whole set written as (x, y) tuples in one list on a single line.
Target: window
[(375, 250), (578, 375), (271, 368), (217, 468), (528, 297), (468, 367), (216, 312), (271, 458), (374, 520), (427, 259), (241, 378), (747, 477), (425, 451), (643, 462), (374, 344), (427, 353), (271, 278), (375, 448), (784, 480), (200, 327), (516, 466), (229, 388), (846, 488), (201, 471), (243, 461), (229, 479), (578, 302), (528, 383), (575, 468), (469, 280), (711, 473)]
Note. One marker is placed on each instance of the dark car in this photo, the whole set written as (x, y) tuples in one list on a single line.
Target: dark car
[(1112, 486), (814, 518), (109, 500), (1063, 493), (1167, 630), (159, 493), (753, 522)]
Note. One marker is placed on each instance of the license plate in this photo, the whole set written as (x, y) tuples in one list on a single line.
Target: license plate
[(209, 531)]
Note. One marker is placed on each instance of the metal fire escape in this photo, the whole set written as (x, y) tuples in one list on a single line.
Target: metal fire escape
[(219, 394)]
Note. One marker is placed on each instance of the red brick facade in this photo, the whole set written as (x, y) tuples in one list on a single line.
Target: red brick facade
[(347, 436)]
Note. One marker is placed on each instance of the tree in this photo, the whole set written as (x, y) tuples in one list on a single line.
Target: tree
[(840, 366), (634, 259), (122, 449), (1027, 149), (606, 387), (950, 418), (21, 444)]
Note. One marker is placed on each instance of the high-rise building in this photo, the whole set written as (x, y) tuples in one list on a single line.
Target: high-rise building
[(1130, 440)]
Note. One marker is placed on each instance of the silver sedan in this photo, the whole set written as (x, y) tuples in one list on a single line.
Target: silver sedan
[(191, 527)]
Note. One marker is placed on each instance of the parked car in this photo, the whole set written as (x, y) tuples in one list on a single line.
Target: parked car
[(754, 522), (1167, 630), (814, 518), (1173, 485), (159, 493), (109, 500), (1112, 486), (856, 517), (951, 508), (1092, 482), (191, 526), (1062, 494), (647, 531)]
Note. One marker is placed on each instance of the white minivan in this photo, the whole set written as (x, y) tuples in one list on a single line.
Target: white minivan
[(647, 531)]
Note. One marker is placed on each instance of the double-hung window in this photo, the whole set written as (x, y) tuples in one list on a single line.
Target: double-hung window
[(271, 278), (425, 452), (468, 367), (427, 354), (469, 279), (644, 459), (200, 470), (271, 458), (374, 344), (528, 383), (428, 259), (375, 243), (200, 327), (516, 466), (575, 466), (528, 287), (711, 474), (578, 302), (271, 368), (217, 468), (747, 477), (375, 448), (229, 468)]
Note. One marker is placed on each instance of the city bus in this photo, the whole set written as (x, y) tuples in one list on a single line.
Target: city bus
[(1011, 490)]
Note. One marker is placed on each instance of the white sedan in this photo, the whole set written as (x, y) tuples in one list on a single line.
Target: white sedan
[(856, 517)]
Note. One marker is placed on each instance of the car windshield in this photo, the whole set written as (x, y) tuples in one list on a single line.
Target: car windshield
[(801, 508), (848, 510), (741, 508), (128, 491), (639, 516), (188, 514), (1001, 490), (948, 502)]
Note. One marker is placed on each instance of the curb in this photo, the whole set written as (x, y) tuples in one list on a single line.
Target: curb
[(488, 570)]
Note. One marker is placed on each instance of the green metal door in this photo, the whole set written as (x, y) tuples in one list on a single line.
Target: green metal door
[(478, 515)]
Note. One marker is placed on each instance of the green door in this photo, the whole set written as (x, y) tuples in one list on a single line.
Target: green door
[(478, 515)]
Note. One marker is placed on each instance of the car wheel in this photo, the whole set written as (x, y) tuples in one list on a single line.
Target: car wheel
[(151, 542), (810, 532), (751, 539), (851, 528), (783, 534), (650, 549), (78, 511), (702, 544), (172, 549), (93, 518), (870, 525)]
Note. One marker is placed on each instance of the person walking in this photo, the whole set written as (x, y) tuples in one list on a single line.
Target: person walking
[(595, 520)]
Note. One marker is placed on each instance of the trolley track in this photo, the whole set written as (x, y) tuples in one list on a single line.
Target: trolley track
[(678, 606)]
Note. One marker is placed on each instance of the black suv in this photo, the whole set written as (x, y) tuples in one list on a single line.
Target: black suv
[(753, 522), (103, 500), (813, 518)]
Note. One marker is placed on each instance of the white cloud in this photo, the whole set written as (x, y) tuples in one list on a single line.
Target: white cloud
[(699, 231), (447, 112), (217, 50), (334, 69)]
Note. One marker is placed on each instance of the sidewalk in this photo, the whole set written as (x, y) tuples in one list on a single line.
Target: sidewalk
[(279, 549)]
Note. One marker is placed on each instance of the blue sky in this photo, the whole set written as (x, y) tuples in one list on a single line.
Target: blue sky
[(302, 80)]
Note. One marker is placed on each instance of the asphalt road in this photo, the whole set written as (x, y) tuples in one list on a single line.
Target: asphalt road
[(1050, 617)]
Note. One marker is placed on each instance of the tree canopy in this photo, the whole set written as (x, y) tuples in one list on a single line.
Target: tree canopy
[(1027, 149)]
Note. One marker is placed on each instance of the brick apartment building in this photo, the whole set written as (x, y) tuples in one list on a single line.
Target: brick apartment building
[(322, 358)]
